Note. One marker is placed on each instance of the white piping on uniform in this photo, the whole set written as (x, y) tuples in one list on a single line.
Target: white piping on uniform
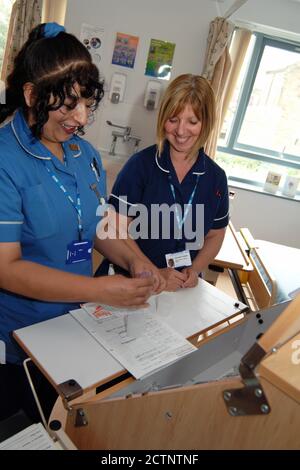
[(168, 171), (26, 150), (10, 223), (123, 200), (161, 168), (77, 154), (220, 218)]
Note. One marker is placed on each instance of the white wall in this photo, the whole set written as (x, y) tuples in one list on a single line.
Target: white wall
[(268, 217), (278, 14), (186, 23)]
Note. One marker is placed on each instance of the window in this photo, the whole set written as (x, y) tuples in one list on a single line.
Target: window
[(5, 11), (261, 129)]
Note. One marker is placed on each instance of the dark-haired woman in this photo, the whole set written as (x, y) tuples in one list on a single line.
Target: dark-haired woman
[(52, 184)]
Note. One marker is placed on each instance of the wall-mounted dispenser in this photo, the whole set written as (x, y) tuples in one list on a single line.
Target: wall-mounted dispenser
[(152, 94), (117, 87)]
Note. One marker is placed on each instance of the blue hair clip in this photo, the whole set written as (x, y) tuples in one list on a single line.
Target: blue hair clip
[(52, 29)]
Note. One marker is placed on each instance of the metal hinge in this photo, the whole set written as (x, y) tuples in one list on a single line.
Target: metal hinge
[(68, 391), (251, 399)]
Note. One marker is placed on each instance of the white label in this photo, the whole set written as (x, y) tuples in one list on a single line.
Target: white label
[(178, 260)]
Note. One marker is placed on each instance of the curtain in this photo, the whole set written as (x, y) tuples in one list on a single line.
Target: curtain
[(238, 50), (217, 65), (25, 15), (54, 10)]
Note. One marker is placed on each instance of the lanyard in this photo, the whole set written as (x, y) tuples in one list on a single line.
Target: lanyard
[(181, 221), (76, 205)]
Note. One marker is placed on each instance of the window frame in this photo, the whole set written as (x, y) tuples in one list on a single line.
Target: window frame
[(232, 146)]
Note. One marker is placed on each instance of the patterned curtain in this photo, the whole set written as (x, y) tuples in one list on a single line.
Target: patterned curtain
[(25, 15), (216, 69), (54, 10)]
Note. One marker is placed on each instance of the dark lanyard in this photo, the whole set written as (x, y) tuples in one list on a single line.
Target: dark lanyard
[(76, 205), (181, 221)]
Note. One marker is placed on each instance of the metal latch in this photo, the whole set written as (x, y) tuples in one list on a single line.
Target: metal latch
[(69, 390), (251, 399), (81, 419)]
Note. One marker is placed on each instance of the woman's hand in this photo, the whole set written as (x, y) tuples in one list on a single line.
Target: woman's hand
[(142, 269), (121, 291), (191, 277), (174, 279)]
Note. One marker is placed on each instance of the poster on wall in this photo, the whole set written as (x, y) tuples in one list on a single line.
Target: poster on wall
[(93, 39), (125, 50), (160, 59)]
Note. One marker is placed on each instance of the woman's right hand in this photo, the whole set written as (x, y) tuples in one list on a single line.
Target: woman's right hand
[(120, 291), (174, 279)]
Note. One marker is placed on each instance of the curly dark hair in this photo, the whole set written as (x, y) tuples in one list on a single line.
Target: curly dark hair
[(53, 65)]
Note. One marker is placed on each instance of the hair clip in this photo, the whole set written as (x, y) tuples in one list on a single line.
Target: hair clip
[(51, 30)]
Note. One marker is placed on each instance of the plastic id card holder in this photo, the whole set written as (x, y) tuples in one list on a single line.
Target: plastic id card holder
[(79, 251), (178, 260)]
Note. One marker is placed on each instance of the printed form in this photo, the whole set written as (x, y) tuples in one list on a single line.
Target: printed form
[(138, 339), (34, 437)]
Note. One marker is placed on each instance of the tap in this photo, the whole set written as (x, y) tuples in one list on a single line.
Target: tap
[(126, 136), (136, 140), (127, 129)]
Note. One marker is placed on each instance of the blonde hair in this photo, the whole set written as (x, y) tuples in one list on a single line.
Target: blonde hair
[(183, 90)]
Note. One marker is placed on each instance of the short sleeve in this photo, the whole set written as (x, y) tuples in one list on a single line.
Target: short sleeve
[(221, 219), (129, 186), (11, 217)]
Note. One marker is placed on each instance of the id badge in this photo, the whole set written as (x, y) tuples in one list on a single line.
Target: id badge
[(79, 251), (178, 260)]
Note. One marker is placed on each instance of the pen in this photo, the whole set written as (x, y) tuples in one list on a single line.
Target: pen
[(95, 171), (95, 163)]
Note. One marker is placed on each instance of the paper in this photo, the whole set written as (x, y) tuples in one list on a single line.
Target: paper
[(93, 38), (146, 346), (35, 437), (191, 311), (125, 50), (160, 59)]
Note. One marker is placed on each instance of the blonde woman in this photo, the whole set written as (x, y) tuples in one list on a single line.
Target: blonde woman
[(177, 173)]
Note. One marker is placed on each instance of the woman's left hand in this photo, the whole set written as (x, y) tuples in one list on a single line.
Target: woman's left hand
[(192, 277), (140, 268)]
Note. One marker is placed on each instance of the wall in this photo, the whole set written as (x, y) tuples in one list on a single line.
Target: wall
[(169, 20), (280, 15), (186, 24), (268, 217)]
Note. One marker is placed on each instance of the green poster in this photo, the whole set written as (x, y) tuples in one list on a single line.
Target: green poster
[(160, 59)]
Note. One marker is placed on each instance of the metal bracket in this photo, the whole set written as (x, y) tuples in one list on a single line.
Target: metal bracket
[(80, 419), (251, 399), (69, 390)]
